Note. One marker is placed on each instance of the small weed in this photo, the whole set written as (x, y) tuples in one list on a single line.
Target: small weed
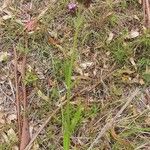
[(142, 46), (146, 77), (113, 21), (143, 62), (30, 78), (68, 123), (92, 111), (120, 50), (21, 48)]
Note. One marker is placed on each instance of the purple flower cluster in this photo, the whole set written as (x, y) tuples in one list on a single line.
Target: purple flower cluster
[(72, 7)]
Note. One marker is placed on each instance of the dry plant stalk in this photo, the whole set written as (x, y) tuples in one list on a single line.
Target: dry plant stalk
[(21, 99), (17, 93), (25, 136), (146, 9), (22, 121)]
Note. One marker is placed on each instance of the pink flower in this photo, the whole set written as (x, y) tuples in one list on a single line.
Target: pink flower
[(72, 7)]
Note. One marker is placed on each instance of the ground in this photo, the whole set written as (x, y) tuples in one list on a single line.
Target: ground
[(93, 60)]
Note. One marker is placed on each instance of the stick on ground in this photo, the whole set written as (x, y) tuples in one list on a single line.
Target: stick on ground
[(146, 10), (17, 94)]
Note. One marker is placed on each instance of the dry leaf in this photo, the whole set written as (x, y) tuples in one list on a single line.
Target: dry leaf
[(141, 81), (53, 41), (43, 96), (86, 64), (5, 137), (35, 146), (11, 118), (133, 34), (6, 17), (134, 110), (122, 71), (39, 74), (111, 35), (136, 17), (133, 63), (2, 121), (116, 90), (3, 56), (86, 74), (140, 1), (12, 135), (78, 70), (15, 148)]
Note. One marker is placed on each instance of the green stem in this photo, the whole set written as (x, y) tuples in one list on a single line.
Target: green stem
[(70, 63)]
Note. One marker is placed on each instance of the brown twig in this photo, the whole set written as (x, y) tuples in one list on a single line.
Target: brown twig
[(25, 137), (17, 93), (146, 10)]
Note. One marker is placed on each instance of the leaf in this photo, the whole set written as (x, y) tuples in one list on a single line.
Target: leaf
[(76, 119), (68, 73), (11, 118), (110, 37), (53, 41), (15, 148), (122, 71), (3, 56), (35, 146), (12, 135), (136, 17), (30, 78), (5, 137), (146, 77), (43, 96), (140, 1), (117, 91), (2, 121), (133, 63), (6, 17), (66, 138), (133, 34), (86, 64)]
